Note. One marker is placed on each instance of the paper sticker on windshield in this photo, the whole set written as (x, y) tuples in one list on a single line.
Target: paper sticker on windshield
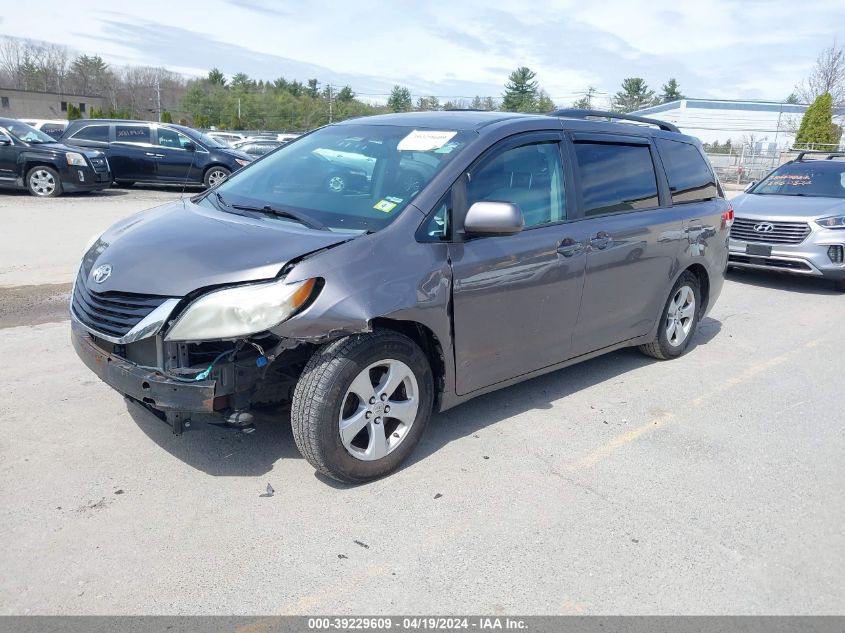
[(425, 140), (386, 205)]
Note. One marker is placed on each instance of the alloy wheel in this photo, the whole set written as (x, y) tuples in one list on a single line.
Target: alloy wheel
[(378, 410), (42, 182), (680, 316)]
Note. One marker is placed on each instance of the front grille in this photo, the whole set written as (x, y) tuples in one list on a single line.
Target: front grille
[(112, 313), (785, 264), (781, 233), (100, 165)]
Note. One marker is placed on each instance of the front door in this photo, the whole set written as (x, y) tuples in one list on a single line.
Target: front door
[(175, 163), (516, 298), (632, 242)]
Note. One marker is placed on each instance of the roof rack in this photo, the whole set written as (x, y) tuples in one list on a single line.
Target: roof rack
[(574, 113), (815, 152)]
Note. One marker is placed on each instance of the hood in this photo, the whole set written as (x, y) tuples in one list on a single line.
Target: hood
[(58, 147), (180, 247), (235, 153), (786, 208)]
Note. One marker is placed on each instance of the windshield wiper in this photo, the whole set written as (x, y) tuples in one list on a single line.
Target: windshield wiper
[(303, 219)]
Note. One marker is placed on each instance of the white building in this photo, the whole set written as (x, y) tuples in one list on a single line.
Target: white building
[(768, 125)]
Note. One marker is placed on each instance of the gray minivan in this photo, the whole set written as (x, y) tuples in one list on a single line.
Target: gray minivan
[(529, 243)]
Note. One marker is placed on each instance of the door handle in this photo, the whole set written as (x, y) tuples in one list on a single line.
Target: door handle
[(569, 247), (600, 240)]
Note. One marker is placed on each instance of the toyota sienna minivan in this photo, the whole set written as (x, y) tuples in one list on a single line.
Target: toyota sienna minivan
[(529, 243)]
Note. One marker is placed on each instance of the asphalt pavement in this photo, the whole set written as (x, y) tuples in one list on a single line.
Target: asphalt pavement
[(711, 484)]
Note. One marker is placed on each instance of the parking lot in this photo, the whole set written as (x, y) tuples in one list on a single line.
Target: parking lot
[(707, 485)]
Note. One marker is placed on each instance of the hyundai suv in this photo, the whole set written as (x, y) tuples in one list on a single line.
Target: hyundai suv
[(793, 220), (533, 243)]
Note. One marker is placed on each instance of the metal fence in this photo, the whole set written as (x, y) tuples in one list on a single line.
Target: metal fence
[(745, 164)]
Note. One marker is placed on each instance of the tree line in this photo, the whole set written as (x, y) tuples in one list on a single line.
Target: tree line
[(290, 104)]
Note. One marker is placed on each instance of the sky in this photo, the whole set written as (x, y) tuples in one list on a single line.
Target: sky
[(728, 49)]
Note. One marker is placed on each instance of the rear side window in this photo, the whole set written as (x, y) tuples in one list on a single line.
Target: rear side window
[(132, 133), (690, 178), (616, 177), (93, 133)]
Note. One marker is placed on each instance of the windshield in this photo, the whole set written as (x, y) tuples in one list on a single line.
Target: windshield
[(347, 177), (204, 138), (823, 178), (28, 134)]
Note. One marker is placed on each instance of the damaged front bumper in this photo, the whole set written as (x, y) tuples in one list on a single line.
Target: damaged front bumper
[(146, 385)]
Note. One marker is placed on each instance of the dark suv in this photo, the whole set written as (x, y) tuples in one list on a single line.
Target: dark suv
[(532, 243), (29, 159), (140, 151)]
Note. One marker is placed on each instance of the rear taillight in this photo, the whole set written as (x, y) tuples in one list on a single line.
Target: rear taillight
[(728, 217)]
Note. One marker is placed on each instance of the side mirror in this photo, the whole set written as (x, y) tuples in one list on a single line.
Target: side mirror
[(5, 139), (493, 218), (750, 185), (190, 147)]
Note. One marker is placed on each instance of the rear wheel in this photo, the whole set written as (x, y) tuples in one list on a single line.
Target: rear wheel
[(361, 405), (678, 320), (43, 182), (215, 175)]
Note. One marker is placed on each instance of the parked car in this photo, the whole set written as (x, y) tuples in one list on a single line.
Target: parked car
[(29, 159), (140, 151), (227, 138), (257, 147), (793, 220), (51, 127), (536, 242)]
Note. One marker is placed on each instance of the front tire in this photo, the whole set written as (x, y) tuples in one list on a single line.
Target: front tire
[(214, 176), (678, 320), (44, 182), (361, 405)]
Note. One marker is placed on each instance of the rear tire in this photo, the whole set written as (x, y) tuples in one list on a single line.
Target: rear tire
[(354, 438), (839, 285), (678, 321), (43, 182)]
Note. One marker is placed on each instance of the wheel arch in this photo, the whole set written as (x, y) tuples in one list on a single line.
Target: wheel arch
[(703, 283), (428, 342)]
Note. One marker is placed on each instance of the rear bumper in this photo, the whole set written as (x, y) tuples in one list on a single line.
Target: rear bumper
[(143, 384)]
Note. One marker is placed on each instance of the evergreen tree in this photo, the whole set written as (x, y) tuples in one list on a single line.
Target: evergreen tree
[(521, 91), (313, 89), (216, 78), (400, 100), (635, 94), (345, 95), (166, 117), (817, 128), (671, 92), (73, 112), (545, 103), (428, 103)]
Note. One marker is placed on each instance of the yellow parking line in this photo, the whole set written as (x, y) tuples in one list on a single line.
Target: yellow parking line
[(626, 438)]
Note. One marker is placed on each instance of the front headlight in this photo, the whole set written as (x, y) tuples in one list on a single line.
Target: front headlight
[(76, 159), (242, 162), (834, 222), (241, 310)]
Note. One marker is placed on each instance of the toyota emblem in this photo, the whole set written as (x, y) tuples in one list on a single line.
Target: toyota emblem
[(101, 273), (764, 227)]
